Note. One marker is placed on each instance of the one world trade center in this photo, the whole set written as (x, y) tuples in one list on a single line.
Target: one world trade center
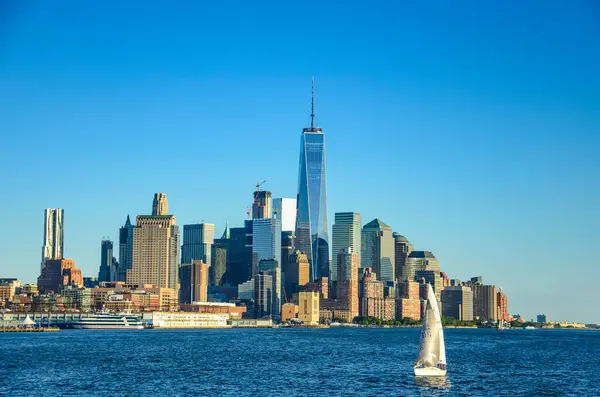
[(312, 233)]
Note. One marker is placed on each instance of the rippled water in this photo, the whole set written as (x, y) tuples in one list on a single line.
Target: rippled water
[(296, 362)]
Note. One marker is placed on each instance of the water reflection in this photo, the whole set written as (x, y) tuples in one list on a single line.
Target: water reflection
[(435, 382)]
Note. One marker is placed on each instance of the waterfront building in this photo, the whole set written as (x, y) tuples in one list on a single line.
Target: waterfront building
[(285, 208), (187, 320), (263, 295), (371, 299), (246, 290), (53, 235), (457, 302), (408, 308), (503, 307), (266, 241), (8, 289), (346, 233), (308, 307), (261, 207), (58, 273), (106, 261), (155, 258), (272, 268), (347, 284), (193, 280), (378, 251), (402, 249), (542, 318), (312, 231), (288, 312), (197, 242), (125, 250), (485, 302), (160, 205)]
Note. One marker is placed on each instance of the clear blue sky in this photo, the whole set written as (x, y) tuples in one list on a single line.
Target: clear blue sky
[(472, 129)]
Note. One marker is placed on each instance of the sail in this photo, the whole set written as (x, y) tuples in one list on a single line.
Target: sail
[(432, 349)]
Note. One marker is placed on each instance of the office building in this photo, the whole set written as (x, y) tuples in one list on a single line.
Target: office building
[(246, 290), (263, 295), (125, 249), (485, 302), (347, 284), (53, 235), (197, 242), (193, 281), (312, 231), (58, 273), (287, 250), (219, 266), (261, 206), (457, 302), (285, 208), (297, 273), (431, 277), (240, 254), (266, 240), (308, 307), (107, 261), (542, 318), (271, 267), (378, 249), (346, 233), (402, 249), (160, 205), (419, 260), (155, 258)]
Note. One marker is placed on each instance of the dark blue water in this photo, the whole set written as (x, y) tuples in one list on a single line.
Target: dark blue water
[(296, 362)]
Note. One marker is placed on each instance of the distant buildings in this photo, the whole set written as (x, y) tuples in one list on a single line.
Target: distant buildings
[(346, 233), (155, 258), (197, 242), (347, 284), (58, 273), (160, 205), (285, 208), (53, 235), (378, 250), (457, 302), (542, 318), (485, 302), (263, 295), (312, 231), (371, 300), (125, 249), (402, 249), (408, 304), (240, 254), (108, 263), (419, 260), (193, 280), (266, 241), (503, 313), (297, 273)]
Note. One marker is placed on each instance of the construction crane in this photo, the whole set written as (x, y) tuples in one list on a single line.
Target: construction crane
[(258, 190)]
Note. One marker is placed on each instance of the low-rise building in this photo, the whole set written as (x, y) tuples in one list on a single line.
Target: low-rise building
[(308, 311)]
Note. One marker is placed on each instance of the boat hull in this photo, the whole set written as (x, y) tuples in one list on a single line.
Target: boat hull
[(106, 326), (430, 371)]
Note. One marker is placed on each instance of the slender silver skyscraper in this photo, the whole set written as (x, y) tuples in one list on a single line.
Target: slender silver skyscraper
[(53, 235), (312, 233)]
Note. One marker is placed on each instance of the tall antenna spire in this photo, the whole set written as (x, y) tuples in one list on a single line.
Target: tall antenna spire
[(312, 114)]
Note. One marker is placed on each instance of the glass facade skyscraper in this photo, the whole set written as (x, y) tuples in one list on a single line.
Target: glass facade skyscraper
[(312, 233), (346, 233)]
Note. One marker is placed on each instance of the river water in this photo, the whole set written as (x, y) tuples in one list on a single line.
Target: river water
[(296, 362)]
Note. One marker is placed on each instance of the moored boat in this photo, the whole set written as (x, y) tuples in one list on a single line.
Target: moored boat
[(108, 321)]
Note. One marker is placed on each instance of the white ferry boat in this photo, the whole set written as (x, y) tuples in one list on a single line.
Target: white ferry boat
[(108, 321)]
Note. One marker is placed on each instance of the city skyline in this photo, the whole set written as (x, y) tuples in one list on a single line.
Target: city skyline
[(468, 156)]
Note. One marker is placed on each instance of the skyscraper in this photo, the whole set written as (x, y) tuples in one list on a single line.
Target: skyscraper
[(125, 249), (197, 242), (402, 249), (347, 284), (297, 272), (193, 279), (378, 249), (312, 235), (457, 302), (263, 295), (485, 302), (155, 258), (240, 254), (266, 241), (160, 205), (106, 261), (53, 235), (261, 207), (418, 261), (286, 211), (220, 259), (272, 268), (346, 233)]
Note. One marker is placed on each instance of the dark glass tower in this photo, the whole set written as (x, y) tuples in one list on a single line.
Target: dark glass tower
[(312, 236), (125, 249)]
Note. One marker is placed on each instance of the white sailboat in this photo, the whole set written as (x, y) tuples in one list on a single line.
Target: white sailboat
[(432, 352)]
